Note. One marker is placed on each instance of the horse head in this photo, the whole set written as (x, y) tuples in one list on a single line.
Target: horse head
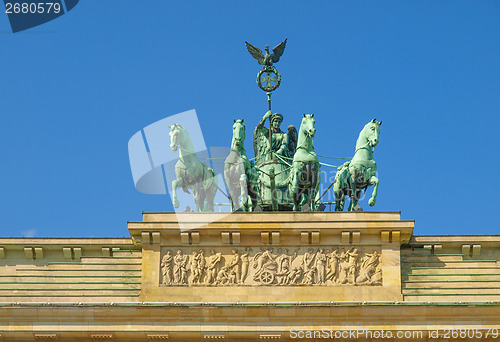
[(307, 125), (238, 133), (175, 136), (372, 131)]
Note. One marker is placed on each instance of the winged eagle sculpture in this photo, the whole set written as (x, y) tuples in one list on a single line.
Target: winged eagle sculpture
[(267, 59)]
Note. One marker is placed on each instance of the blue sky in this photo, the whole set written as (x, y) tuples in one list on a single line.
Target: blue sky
[(76, 89)]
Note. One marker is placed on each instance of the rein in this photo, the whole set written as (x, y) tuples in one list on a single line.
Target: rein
[(301, 146), (178, 155), (367, 144)]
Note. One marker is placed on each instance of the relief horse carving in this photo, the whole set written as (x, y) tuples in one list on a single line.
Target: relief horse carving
[(190, 172)]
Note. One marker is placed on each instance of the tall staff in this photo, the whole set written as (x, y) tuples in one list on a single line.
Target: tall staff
[(268, 79), (270, 128)]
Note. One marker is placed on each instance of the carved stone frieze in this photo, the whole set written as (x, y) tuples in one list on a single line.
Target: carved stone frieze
[(328, 266)]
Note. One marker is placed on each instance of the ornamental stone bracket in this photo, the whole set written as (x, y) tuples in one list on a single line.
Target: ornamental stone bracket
[(300, 256)]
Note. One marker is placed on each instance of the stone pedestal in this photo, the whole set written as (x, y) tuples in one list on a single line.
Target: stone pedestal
[(271, 257)]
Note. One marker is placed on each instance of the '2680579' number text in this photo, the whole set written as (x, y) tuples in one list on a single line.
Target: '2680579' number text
[(24, 7)]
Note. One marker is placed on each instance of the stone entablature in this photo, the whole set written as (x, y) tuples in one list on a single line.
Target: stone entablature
[(268, 229), (305, 256)]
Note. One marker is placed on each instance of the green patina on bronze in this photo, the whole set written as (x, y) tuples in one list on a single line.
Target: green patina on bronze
[(240, 173), (268, 59), (359, 173), (305, 174), (191, 173), (273, 155), (286, 172), (277, 152)]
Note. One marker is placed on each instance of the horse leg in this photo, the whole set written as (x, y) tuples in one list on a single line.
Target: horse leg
[(342, 202), (203, 201), (292, 188), (315, 194), (303, 191), (252, 194), (209, 199), (354, 198), (228, 179), (176, 183), (235, 197), (373, 181), (301, 197), (250, 204), (198, 197), (339, 196), (338, 200), (253, 188), (310, 198), (231, 198), (296, 198), (244, 192), (210, 187)]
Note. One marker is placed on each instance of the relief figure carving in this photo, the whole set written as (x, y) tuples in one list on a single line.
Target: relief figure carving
[(198, 266), (348, 266), (368, 268), (284, 262), (234, 266), (245, 261), (320, 265), (377, 276), (295, 275), (270, 266), (333, 269), (225, 276), (213, 266), (265, 264), (166, 268), (308, 260), (180, 268)]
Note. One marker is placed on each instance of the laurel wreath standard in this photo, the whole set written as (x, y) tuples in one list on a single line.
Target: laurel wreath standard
[(268, 70)]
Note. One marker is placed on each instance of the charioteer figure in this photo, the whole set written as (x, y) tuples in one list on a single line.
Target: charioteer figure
[(279, 143), (272, 151)]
